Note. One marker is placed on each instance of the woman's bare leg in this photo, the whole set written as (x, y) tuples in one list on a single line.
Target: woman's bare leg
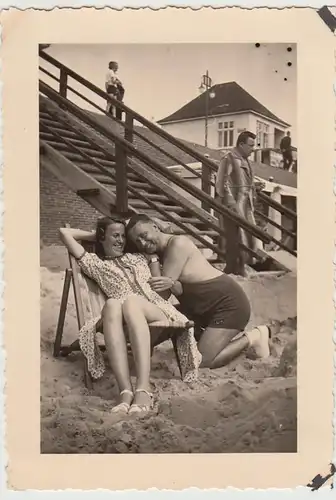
[(138, 314), (116, 347)]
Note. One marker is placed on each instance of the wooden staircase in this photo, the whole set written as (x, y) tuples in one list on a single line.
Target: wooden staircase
[(116, 174)]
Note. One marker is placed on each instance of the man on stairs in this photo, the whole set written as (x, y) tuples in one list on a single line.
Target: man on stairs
[(235, 189), (286, 149)]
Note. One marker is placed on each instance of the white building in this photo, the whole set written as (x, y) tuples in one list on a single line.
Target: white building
[(230, 111)]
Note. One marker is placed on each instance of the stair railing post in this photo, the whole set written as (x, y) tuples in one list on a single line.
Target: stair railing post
[(206, 183), (121, 168), (63, 84), (129, 124)]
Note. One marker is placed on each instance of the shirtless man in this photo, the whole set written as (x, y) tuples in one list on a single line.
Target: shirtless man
[(207, 296)]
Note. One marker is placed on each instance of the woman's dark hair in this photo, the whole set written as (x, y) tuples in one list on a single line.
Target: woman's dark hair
[(102, 224)]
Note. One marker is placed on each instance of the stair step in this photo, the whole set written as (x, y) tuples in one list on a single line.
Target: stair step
[(96, 155), (90, 168), (55, 126), (66, 150), (44, 114), (211, 234), (110, 164), (142, 185), (56, 142), (154, 215), (99, 176), (190, 220), (168, 208), (53, 122), (88, 192), (104, 179), (151, 196), (79, 159), (48, 137)]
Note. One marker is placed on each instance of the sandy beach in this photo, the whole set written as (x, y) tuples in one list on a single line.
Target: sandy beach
[(248, 406)]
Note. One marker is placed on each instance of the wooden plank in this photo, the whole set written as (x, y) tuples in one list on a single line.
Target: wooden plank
[(49, 137), (170, 208), (206, 184), (87, 148), (62, 313), (90, 168), (151, 196), (88, 192), (121, 179), (52, 124), (63, 87), (97, 298), (80, 312), (76, 179)]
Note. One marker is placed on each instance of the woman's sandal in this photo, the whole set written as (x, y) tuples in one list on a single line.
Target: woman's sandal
[(123, 407), (136, 408)]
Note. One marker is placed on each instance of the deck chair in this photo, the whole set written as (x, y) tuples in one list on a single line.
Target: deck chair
[(89, 300)]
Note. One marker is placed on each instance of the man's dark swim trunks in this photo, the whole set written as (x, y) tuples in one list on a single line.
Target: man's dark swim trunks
[(217, 303)]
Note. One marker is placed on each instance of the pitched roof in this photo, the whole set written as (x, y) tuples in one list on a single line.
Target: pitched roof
[(260, 169), (230, 98)]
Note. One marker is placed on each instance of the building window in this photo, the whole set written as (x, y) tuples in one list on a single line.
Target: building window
[(225, 134), (262, 134)]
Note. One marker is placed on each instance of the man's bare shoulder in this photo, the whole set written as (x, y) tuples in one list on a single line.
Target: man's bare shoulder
[(181, 243)]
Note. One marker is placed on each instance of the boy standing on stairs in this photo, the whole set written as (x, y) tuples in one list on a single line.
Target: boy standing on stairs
[(212, 299), (114, 88)]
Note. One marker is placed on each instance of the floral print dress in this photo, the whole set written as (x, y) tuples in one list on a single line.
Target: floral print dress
[(119, 279)]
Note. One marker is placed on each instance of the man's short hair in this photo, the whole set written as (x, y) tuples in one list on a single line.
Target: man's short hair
[(112, 63), (243, 136), (138, 218)]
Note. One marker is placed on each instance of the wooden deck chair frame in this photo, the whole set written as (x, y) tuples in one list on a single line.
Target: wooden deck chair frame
[(96, 301)]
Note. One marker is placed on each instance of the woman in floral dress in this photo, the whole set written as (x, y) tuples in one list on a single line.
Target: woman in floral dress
[(123, 277)]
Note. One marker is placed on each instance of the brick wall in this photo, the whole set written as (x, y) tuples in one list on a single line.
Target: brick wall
[(59, 205)]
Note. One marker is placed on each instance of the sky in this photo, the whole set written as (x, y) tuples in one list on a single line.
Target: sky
[(160, 78)]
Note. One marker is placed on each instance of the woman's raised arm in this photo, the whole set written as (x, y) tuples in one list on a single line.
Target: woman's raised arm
[(71, 238)]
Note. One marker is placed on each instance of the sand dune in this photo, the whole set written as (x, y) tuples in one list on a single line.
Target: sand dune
[(248, 406)]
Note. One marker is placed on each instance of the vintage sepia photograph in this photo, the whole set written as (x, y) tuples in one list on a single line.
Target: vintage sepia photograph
[(163, 314), (168, 248)]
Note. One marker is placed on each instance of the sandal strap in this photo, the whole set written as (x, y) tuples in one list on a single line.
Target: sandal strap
[(150, 394), (135, 408), (126, 391), (121, 406)]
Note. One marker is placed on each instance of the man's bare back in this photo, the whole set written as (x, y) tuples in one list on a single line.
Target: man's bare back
[(195, 267)]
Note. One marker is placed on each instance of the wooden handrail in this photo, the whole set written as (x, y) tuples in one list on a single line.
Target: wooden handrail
[(136, 116), (275, 224), (156, 166), (277, 206), (151, 126), (136, 132)]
